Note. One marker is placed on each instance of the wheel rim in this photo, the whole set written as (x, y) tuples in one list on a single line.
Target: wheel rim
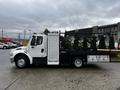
[(4, 47), (78, 62), (21, 63)]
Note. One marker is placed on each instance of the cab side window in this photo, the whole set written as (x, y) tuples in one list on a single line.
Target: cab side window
[(39, 40)]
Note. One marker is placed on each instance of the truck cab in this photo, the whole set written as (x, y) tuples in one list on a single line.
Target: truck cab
[(41, 49)]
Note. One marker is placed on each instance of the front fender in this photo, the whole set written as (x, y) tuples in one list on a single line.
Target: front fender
[(16, 52)]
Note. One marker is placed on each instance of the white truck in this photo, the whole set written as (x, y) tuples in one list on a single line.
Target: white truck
[(45, 49)]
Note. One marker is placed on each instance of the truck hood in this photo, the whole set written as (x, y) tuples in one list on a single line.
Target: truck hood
[(19, 48)]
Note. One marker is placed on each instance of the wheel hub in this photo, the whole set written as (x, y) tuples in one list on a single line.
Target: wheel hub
[(78, 63), (21, 62)]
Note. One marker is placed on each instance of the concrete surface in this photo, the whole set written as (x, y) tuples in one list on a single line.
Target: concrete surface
[(92, 77)]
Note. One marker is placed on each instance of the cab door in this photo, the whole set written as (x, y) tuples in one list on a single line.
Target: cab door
[(37, 47)]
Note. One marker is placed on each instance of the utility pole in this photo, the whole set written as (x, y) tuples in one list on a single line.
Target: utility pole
[(29, 34), (19, 37), (2, 32), (24, 33)]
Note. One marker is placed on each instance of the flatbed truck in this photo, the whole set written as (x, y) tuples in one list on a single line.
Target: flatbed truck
[(46, 49)]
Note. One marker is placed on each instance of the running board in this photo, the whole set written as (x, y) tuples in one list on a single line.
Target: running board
[(53, 63)]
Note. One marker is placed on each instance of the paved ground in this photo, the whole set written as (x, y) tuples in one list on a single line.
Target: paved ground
[(91, 77)]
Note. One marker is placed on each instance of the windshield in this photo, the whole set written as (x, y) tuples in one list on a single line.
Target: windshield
[(33, 41)]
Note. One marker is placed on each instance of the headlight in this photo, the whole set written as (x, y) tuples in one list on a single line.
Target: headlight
[(25, 50), (19, 48)]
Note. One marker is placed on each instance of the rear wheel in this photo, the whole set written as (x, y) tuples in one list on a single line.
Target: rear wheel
[(21, 62), (78, 62)]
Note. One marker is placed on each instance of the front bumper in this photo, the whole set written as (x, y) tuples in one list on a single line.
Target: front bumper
[(11, 60)]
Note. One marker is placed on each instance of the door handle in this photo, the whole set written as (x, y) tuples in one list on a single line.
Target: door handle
[(42, 50), (32, 46)]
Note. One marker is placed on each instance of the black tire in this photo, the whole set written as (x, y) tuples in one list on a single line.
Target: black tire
[(13, 47), (78, 62), (4, 47), (21, 62)]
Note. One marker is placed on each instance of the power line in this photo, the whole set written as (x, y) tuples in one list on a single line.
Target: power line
[(23, 35)]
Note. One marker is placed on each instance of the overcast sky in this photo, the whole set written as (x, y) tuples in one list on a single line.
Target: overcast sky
[(17, 15)]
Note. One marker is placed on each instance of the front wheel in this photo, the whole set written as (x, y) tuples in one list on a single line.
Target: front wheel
[(21, 62), (78, 62)]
